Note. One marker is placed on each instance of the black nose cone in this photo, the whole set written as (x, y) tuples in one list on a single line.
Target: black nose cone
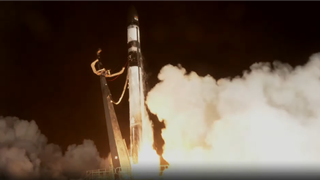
[(133, 18)]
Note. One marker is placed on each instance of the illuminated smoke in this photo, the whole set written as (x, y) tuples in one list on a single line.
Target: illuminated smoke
[(25, 154), (268, 118)]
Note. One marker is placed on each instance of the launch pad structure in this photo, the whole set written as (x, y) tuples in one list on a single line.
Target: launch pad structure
[(121, 159), (104, 174)]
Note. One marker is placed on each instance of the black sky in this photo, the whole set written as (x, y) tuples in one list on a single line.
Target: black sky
[(46, 49)]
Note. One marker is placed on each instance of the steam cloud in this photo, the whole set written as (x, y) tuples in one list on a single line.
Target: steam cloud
[(25, 154), (268, 118)]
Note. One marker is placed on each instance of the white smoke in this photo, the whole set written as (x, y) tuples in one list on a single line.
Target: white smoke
[(25, 154), (269, 117)]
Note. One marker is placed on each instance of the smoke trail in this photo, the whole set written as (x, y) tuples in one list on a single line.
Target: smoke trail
[(25, 154), (267, 118)]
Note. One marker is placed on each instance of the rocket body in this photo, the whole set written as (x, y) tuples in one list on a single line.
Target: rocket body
[(136, 93)]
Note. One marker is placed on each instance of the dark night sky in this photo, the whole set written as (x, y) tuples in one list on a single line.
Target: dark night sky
[(46, 49)]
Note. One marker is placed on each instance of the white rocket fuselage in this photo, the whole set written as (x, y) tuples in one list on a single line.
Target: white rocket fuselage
[(136, 93)]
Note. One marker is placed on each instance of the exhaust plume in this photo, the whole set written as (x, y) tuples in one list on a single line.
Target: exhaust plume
[(25, 154), (267, 119)]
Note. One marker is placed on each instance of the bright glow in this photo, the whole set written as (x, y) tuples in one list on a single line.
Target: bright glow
[(149, 162), (265, 119)]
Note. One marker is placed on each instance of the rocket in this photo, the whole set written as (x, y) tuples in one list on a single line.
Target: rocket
[(136, 92)]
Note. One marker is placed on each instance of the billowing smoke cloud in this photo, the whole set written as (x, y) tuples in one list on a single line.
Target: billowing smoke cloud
[(25, 154), (269, 117)]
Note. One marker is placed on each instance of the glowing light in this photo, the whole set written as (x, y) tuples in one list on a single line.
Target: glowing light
[(265, 119)]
